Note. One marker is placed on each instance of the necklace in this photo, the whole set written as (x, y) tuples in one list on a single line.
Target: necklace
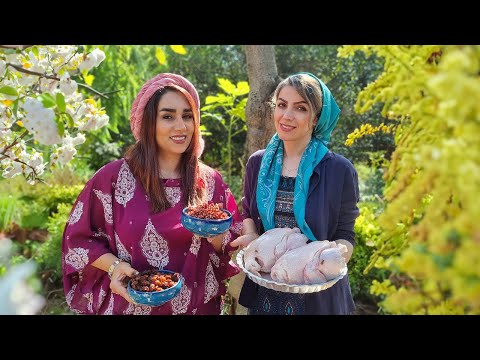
[(286, 169), (289, 170)]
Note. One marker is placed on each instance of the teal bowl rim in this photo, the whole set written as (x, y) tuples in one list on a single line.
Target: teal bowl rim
[(208, 220)]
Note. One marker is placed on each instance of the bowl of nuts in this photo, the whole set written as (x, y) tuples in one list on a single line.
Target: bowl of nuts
[(206, 220), (154, 287)]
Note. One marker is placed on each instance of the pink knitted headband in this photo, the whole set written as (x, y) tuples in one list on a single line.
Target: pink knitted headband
[(147, 91)]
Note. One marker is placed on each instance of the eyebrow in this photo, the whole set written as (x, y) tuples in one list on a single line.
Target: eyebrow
[(298, 102), (174, 110)]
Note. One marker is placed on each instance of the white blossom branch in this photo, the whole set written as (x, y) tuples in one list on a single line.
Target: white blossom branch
[(51, 77)]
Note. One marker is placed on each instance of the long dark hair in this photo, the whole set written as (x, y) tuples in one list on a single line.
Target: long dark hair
[(142, 157)]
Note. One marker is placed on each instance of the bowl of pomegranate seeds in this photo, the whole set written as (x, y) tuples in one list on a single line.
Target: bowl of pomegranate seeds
[(206, 220), (154, 287)]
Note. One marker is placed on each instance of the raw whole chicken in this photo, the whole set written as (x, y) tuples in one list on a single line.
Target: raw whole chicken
[(329, 264), (313, 263), (262, 253)]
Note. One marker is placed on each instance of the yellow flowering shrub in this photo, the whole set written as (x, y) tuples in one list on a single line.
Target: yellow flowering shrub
[(430, 226)]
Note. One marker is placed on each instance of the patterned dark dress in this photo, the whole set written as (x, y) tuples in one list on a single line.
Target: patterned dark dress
[(271, 301)]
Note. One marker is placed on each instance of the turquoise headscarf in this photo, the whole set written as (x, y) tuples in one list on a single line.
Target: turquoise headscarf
[(271, 166)]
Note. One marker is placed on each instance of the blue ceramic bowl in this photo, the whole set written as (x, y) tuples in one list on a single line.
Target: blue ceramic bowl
[(206, 227), (155, 298)]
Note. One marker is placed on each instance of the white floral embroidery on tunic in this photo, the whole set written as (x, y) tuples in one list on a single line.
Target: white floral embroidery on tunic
[(194, 311), (173, 195), (207, 176), (215, 259), (211, 284), (77, 258), (154, 247), (109, 310), (69, 295), (237, 228), (89, 297), (76, 213), (142, 310), (181, 301), (195, 244), (226, 240), (138, 309), (125, 186), (106, 200), (123, 253), (101, 297)]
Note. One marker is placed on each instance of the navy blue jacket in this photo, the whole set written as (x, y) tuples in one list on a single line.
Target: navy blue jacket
[(331, 211)]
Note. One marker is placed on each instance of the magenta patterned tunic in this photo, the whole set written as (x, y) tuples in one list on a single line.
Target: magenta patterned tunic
[(112, 214)]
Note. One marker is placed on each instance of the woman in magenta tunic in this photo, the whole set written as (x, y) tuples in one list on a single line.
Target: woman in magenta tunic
[(127, 218)]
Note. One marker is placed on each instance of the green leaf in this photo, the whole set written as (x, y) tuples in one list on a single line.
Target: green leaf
[(15, 108), (8, 90), (47, 100), (208, 107), (221, 99), (242, 104), (214, 116), (35, 50), (211, 99), (179, 49), (204, 131), (226, 85), (160, 55), (60, 125), (238, 112), (60, 100), (70, 122), (242, 88)]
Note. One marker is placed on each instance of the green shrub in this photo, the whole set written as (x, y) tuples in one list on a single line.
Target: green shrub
[(34, 215), (366, 230), (68, 176), (8, 211), (49, 255), (370, 182), (61, 186), (38, 204), (51, 197), (235, 186)]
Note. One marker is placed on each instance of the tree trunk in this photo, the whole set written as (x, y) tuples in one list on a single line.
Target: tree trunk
[(262, 78)]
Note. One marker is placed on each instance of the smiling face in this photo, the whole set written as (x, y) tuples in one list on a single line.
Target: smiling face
[(174, 123), (293, 116)]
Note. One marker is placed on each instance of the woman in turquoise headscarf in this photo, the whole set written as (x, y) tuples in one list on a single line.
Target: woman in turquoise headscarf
[(298, 182)]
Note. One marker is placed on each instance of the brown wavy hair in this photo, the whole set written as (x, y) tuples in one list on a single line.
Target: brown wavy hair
[(142, 157)]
